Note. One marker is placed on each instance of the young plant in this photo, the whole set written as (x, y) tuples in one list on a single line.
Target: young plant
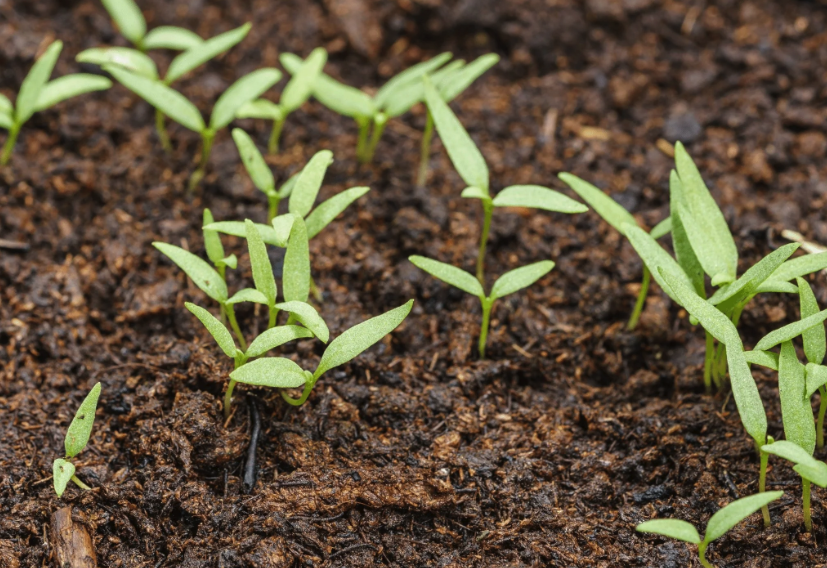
[(719, 524), (295, 94), (810, 469), (815, 347), (473, 170), (131, 23), (341, 350), (77, 436), (176, 106), (140, 64), (370, 113), (38, 93)]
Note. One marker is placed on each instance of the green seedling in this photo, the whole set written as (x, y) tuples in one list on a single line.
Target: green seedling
[(815, 347), (38, 93), (341, 350), (810, 469), (215, 251), (295, 94), (719, 524), (370, 113), (177, 107), (130, 21), (616, 216), (77, 436), (140, 64), (473, 170)]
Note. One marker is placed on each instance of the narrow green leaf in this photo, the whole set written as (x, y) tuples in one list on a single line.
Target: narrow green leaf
[(212, 242), (217, 329), (171, 37), (248, 295), (6, 120), (286, 188), (655, 258), (673, 528), (662, 229), (246, 89), (275, 337), (200, 272), (300, 87), (230, 261), (776, 286), (412, 93), (790, 331), (736, 512), (274, 372), (272, 235), (684, 253), (449, 274), (766, 359), (35, 81), (464, 154), (811, 468), (749, 281), (796, 412), (705, 224), (537, 197), (196, 56), (520, 278), (410, 75), (260, 108), (609, 209), (800, 266), (5, 105), (308, 183), (815, 339), (472, 192), (254, 162), (336, 96), (126, 57), (77, 436), (462, 79), (62, 472), (167, 100), (330, 209), (70, 86), (127, 16), (361, 337), (816, 377), (260, 263), (814, 471), (295, 281), (308, 317)]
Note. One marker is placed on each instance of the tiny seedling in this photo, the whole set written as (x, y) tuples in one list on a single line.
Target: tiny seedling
[(295, 94), (348, 345), (472, 168), (37, 93), (77, 436), (215, 251), (810, 469), (719, 524), (130, 21)]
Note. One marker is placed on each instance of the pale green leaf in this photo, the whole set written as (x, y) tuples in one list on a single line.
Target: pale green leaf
[(412, 93), (673, 528), (609, 209), (816, 377), (295, 281), (127, 16), (331, 208), (35, 81), (276, 236), (70, 86), (171, 37), (472, 192), (254, 162), (308, 317), (662, 229), (246, 89), (684, 253), (6, 119), (5, 105), (217, 329), (449, 274), (309, 182), (790, 331), (810, 468), (167, 100), (537, 197), (212, 242), (229, 261), (815, 339), (800, 266), (200, 272), (796, 412), (336, 96), (126, 57), (361, 337), (274, 372), (464, 154), (655, 257), (275, 337), (749, 281), (520, 278), (766, 359), (200, 54), (736, 512), (814, 471), (287, 187), (300, 87), (260, 108), (260, 263), (282, 225), (462, 79), (77, 436), (248, 295), (776, 286), (62, 473), (410, 75)]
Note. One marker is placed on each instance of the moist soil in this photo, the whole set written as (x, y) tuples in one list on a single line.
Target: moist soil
[(549, 452)]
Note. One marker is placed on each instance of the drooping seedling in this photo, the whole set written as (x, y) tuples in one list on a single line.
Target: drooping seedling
[(140, 64), (295, 94), (131, 23), (473, 170), (38, 93), (77, 436), (719, 524)]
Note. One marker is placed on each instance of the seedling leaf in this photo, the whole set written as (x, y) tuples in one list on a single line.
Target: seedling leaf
[(796, 412), (537, 197), (200, 272), (246, 89), (272, 235), (776, 286), (452, 275), (5, 105), (753, 277), (261, 108), (673, 528), (655, 258), (212, 242), (34, 82), (736, 512), (460, 80), (308, 317), (300, 87), (410, 75), (815, 339), (472, 192), (171, 37), (816, 378), (194, 57), (62, 472), (296, 273), (520, 278), (275, 372), (275, 337), (339, 98), (309, 182), (260, 263), (810, 468), (254, 162), (330, 209), (790, 331), (684, 254), (70, 86), (800, 266), (766, 359), (6, 120), (661, 229), (80, 429), (609, 209), (128, 18), (217, 329), (126, 57), (248, 295)]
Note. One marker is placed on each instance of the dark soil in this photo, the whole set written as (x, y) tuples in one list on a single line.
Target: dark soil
[(416, 454)]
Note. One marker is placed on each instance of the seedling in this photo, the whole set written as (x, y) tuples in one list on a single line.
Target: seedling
[(719, 524), (140, 64), (473, 170), (77, 436), (351, 343), (38, 93), (810, 469), (815, 347), (215, 252), (295, 94), (130, 21)]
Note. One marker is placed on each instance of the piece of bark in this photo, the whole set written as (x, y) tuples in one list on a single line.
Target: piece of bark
[(71, 542)]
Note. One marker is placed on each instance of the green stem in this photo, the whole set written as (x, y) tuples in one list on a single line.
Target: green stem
[(762, 484), (488, 211), (81, 484), (364, 129), (275, 136), (719, 366), (702, 555), (272, 320), (425, 150), (315, 292), (822, 408), (228, 399), (378, 128), (805, 501), (207, 138), (234, 326), (641, 299), (161, 128), (273, 200), (11, 140), (710, 350), (308, 388), (222, 271), (487, 303)]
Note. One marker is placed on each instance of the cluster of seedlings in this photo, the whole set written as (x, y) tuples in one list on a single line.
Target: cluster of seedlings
[(702, 276)]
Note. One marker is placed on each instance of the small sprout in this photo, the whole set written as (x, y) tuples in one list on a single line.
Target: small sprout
[(810, 469), (131, 23), (77, 436), (720, 523), (37, 93)]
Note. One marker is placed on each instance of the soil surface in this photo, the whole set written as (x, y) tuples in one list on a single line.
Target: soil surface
[(549, 452)]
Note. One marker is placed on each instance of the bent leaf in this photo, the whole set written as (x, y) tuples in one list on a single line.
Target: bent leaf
[(275, 337), (300, 87), (200, 272), (260, 263), (171, 37), (815, 339), (77, 436), (790, 331), (308, 317), (70, 86), (309, 182), (520, 278), (673, 528), (331, 208), (205, 51), (796, 412), (62, 472), (800, 266), (610, 210), (766, 359), (274, 372), (126, 57), (246, 89), (34, 82), (537, 197), (816, 378), (295, 281), (217, 329), (254, 162), (449, 274), (248, 295), (736, 512), (811, 468)]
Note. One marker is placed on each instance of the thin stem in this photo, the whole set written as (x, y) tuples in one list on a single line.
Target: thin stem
[(805, 502), (272, 319), (161, 129), (710, 350), (486, 320), (11, 140), (222, 271), (762, 484), (719, 362), (641, 299), (81, 484), (425, 150), (378, 128), (488, 211), (364, 129), (822, 408), (273, 200), (234, 326), (275, 136), (207, 138), (315, 292), (228, 399), (702, 555), (308, 388)]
